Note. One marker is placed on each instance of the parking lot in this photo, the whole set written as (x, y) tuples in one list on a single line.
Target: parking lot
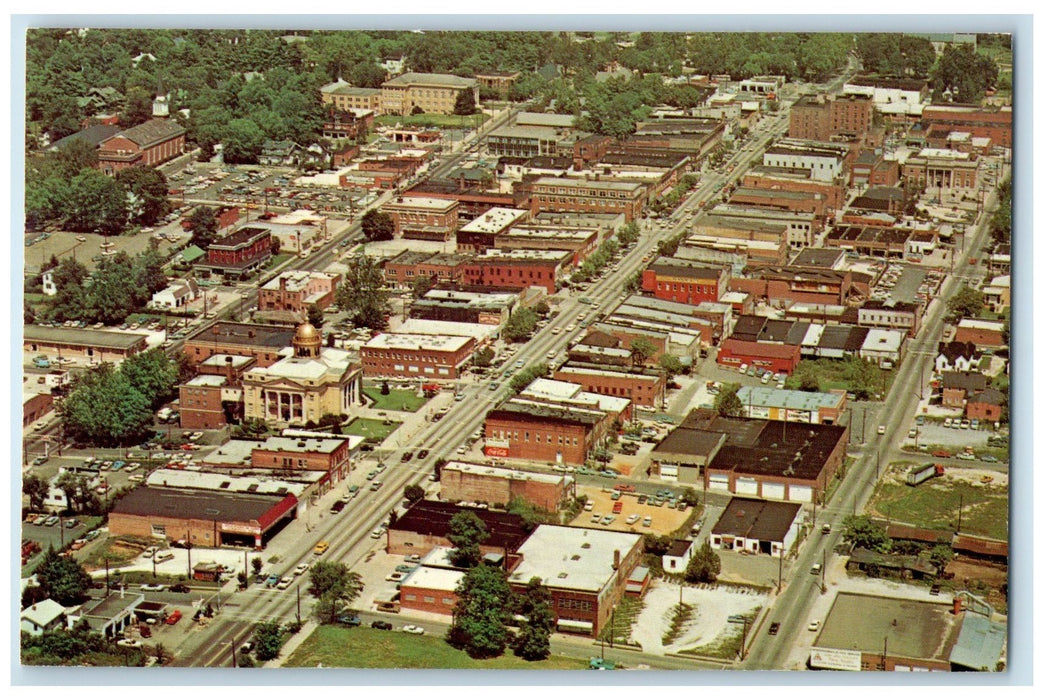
[(663, 520)]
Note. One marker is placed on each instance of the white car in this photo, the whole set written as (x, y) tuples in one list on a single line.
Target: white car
[(376, 534), (814, 626), (556, 330), (285, 582), (570, 328), (412, 629), (153, 587), (132, 643), (301, 568), (880, 430), (395, 576), (632, 519)]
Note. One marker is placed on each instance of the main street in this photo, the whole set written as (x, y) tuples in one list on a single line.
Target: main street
[(791, 608)]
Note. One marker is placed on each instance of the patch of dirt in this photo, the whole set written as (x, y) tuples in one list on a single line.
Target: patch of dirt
[(966, 572)]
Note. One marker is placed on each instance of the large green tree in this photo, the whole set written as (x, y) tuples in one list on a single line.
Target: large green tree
[(967, 302), (520, 324), (964, 73), (467, 532), (362, 294), (243, 141), (704, 565), (335, 587), (533, 641), (204, 223), (727, 403), (268, 640), (95, 202), (481, 613), (36, 489), (642, 350), (378, 226), (62, 579), (146, 193), (153, 373), (104, 407), (861, 531)]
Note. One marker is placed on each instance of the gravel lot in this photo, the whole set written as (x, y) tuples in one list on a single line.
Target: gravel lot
[(709, 621)]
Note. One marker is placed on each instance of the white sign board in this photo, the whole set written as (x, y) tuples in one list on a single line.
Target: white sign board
[(836, 659)]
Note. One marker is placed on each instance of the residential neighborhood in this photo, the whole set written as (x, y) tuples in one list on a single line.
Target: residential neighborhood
[(548, 350)]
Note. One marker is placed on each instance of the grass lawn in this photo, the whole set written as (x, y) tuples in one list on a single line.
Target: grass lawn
[(725, 646), (277, 260), (370, 428), (626, 614), (361, 647), (934, 504), (396, 400), (840, 374)]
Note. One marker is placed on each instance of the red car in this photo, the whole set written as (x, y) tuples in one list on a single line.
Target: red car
[(941, 453), (624, 488), (173, 618)]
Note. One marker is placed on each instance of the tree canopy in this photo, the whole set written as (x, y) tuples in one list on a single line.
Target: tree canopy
[(967, 302), (104, 407), (467, 532), (481, 614), (362, 293), (727, 403), (335, 586), (378, 226), (704, 565), (965, 74), (533, 641), (861, 531), (520, 325), (62, 579)]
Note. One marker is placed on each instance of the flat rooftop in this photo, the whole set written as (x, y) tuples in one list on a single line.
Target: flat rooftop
[(499, 472), (415, 341), (914, 629), (786, 398), (86, 337), (250, 334), (571, 557), (197, 504), (495, 220), (756, 519)]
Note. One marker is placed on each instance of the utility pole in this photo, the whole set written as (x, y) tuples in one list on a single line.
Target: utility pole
[(822, 572), (106, 576), (960, 513), (233, 643), (779, 588), (299, 604)]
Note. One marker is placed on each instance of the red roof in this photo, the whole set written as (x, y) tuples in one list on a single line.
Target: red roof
[(279, 510), (747, 347)]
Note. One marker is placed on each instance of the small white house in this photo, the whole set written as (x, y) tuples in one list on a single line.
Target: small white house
[(883, 347), (42, 617), (179, 294), (677, 557)]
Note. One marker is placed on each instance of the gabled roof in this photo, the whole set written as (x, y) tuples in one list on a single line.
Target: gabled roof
[(43, 613), (152, 132), (969, 381), (756, 519)]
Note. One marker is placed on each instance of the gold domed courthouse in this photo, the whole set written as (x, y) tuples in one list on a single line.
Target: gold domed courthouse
[(313, 381)]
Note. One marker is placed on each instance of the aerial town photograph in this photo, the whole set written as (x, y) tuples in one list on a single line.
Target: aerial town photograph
[(515, 350)]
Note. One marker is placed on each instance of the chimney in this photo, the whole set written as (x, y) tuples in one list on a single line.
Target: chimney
[(228, 368), (956, 606), (616, 559)]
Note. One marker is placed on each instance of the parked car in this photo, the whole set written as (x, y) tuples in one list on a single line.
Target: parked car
[(814, 626), (376, 485), (880, 430), (988, 458), (412, 629), (774, 628), (173, 618), (349, 620), (179, 588), (942, 454), (320, 548), (153, 587), (272, 580), (337, 507), (948, 423), (380, 625), (285, 582), (422, 454), (53, 520)]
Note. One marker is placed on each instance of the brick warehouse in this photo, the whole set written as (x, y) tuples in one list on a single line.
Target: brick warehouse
[(674, 279), (818, 117), (602, 196), (460, 481), (518, 269), (263, 343), (239, 253), (771, 356), (544, 432), (426, 525), (643, 388), (415, 355)]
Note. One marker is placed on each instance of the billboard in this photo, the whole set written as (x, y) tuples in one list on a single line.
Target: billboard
[(836, 659), (497, 447)]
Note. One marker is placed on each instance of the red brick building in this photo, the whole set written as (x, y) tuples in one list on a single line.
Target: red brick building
[(517, 269), (986, 405), (401, 271), (780, 179), (479, 483), (423, 218), (993, 123), (327, 455), (771, 356), (643, 388), (811, 285), (589, 150), (599, 196), (239, 253), (957, 386), (296, 290), (201, 402), (675, 279), (426, 525), (545, 432), (818, 117), (262, 343), (414, 355), (151, 143), (983, 334), (808, 202)]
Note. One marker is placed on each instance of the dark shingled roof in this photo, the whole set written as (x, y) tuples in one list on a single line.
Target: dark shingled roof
[(152, 132), (969, 381), (818, 257), (678, 548), (198, 504), (954, 349), (432, 518), (253, 334), (755, 519)]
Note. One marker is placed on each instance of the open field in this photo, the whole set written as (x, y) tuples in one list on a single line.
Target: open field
[(362, 647), (935, 504), (396, 400)]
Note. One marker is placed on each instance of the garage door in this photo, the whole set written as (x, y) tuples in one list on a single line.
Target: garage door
[(747, 487), (719, 482), (773, 491), (802, 494), (668, 472)]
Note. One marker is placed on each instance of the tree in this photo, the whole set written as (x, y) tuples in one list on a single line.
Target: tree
[(268, 640), (727, 403), (104, 407), (421, 285), (628, 233), (465, 103), (481, 614), (541, 308), (95, 202), (243, 141), (335, 587), (533, 641), (940, 555), (670, 365), (704, 565), (146, 190), (36, 489), (523, 379), (530, 514), (315, 315), (62, 579), (963, 73), (385, 387), (378, 226), (690, 496), (153, 373), (256, 564), (484, 357), (861, 531), (362, 294), (204, 223), (968, 301), (467, 532), (413, 493), (520, 325), (642, 349)]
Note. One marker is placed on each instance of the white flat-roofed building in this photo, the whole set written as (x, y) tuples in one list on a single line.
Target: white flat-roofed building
[(571, 393), (481, 332), (793, 406), (228, 483), (883, 347), (417, 355), (585, 570), (495, 220)]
